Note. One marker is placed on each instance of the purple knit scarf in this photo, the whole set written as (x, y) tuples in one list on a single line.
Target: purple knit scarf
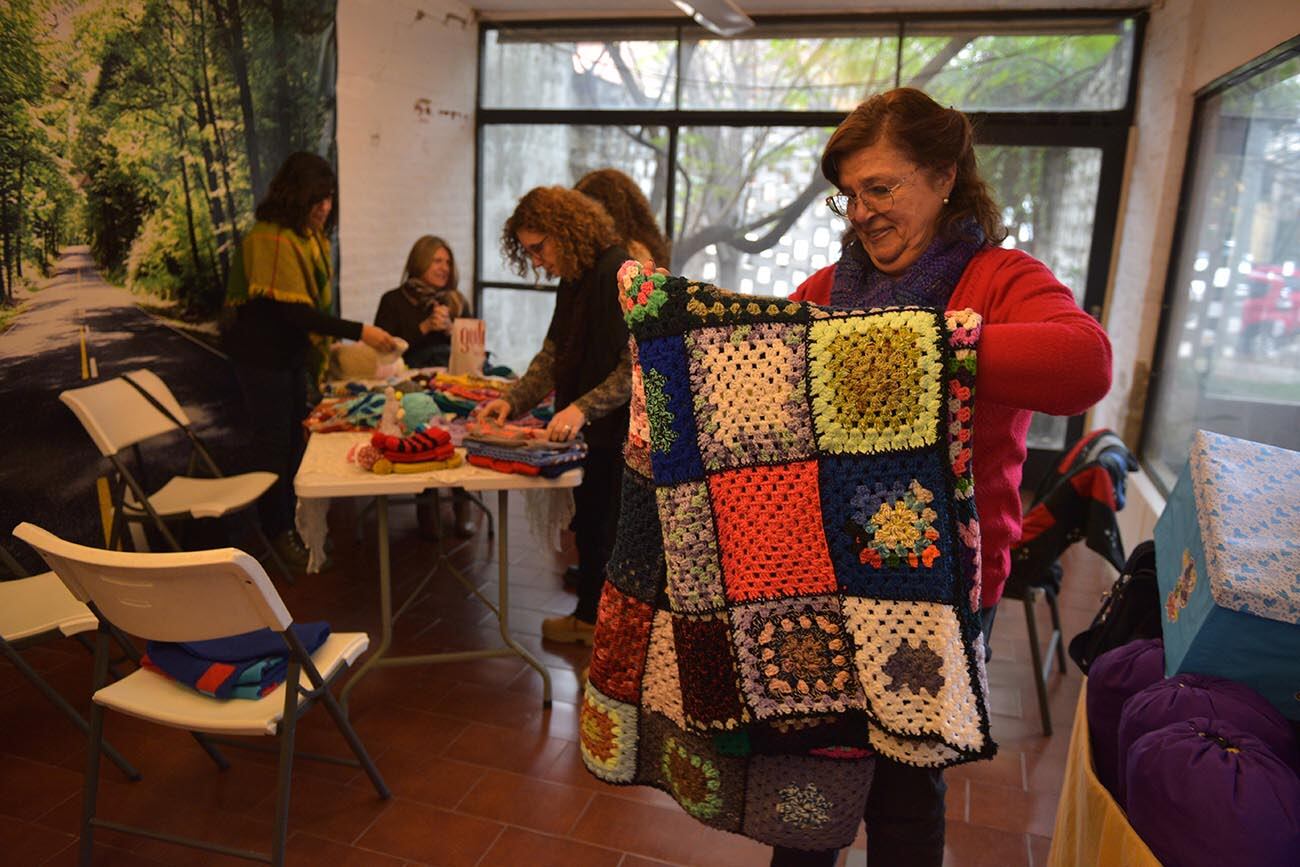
[(928, 282)]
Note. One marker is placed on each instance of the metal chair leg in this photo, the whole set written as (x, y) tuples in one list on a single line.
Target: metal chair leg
[(284, 774), (1054, 607), (96, 743), (1036, 662), (62, 704)]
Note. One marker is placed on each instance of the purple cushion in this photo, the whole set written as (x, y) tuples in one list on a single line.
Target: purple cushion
[(1185, 696), (1204, 793), (1114, 677)]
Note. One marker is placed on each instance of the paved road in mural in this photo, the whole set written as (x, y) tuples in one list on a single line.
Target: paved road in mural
[(49, 467)]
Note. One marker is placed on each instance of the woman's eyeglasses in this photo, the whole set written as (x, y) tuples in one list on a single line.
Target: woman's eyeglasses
[(878, 198), (535, 249)]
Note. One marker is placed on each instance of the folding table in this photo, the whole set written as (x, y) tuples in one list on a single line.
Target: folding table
[(325, 472)]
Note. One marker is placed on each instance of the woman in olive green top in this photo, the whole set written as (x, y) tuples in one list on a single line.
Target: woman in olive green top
[(281, 293)]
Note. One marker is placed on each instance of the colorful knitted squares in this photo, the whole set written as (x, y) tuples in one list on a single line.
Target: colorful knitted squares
[(636, 565), (876, 381), (795, 657), (748, 382), (836, 736), (661, 690), (665, 378), (888, 525), (710, 786), (622, 638), (690, 549), (707, 667), (910, 751), (709, 305), (915, 671), (805, 802), (769, 532), (607, 736), (636, 450)]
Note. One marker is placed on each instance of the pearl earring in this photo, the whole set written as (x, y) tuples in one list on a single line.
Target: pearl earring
[(945, 200)]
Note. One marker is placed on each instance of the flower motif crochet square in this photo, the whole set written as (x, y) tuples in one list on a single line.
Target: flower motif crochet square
[(607, 736), (913, 667), (769, 532), (622, 639), (750, 402), (790, 800), (709, 785), (665, 379), (662, 687), (690, 548), (636, 565), (889, 525), (706, 663), (876, 381), (795, 657)]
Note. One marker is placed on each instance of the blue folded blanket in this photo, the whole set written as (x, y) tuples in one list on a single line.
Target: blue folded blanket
[(240, 666)]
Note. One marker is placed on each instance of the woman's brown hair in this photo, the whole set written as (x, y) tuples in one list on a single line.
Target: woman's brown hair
[(299, 184), (931, 136), (419, 260), (628, 206), (576, 226)]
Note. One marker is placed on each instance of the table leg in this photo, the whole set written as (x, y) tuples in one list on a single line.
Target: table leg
[(503, 597), (385, 603)]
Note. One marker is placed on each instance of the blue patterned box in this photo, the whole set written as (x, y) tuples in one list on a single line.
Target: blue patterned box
[(1228, 564)]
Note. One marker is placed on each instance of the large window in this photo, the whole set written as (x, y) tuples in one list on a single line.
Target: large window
[(725, 137), (1229, 355)]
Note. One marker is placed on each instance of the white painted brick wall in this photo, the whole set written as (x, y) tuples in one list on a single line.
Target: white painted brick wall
[(406, 82)]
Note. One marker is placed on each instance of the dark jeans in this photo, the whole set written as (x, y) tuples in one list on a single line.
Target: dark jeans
[(276, 403), (904, 814), (595, 521)]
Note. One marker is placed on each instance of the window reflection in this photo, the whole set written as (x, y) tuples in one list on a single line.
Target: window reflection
[(1231, 346)]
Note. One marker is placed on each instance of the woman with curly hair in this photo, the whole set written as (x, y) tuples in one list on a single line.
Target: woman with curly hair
[(585, 359), (623, 200)]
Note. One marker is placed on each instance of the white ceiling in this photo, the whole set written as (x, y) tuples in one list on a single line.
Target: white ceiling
[(540, 9)]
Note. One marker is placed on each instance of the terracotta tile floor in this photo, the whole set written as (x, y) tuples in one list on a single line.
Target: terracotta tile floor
[(480, 774)]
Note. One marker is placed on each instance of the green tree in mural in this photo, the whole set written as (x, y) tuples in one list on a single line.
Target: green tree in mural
[(149, 127)]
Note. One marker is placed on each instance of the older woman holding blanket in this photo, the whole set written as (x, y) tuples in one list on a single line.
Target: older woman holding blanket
[(924, 232)]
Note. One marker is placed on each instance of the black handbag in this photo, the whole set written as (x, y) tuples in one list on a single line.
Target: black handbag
[(1130, 610)]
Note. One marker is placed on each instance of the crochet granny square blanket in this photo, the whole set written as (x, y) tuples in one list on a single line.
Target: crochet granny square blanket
[(795, 582)]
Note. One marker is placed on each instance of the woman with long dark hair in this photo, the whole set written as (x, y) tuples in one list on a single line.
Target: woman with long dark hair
[(282, 297)]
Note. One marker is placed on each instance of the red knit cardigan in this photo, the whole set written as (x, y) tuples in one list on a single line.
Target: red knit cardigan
[(1038, 353)]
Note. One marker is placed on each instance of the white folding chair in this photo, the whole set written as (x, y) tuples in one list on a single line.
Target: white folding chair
[(120, 414), (187, 597), (33, 609)]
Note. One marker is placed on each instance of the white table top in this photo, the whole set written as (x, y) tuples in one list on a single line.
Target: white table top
[(326, 472)]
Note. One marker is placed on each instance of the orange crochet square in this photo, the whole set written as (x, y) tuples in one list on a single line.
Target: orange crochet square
[(770, 534)]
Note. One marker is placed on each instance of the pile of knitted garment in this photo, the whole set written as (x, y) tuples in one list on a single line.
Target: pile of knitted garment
[(428, 449), (794, 587), (520, 449), (247, 666)]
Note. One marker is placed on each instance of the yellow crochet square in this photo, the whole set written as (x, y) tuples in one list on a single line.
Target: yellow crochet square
[(877, 381)]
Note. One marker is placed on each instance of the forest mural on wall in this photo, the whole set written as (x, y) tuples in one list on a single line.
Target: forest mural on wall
[(135, 138), (147, 129)]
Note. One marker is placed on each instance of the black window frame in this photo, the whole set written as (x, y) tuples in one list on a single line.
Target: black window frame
[(1105, 130)]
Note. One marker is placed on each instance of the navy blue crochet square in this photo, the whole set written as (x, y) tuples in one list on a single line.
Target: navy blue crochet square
[(636, 565), (889, 526), (674, 443)]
